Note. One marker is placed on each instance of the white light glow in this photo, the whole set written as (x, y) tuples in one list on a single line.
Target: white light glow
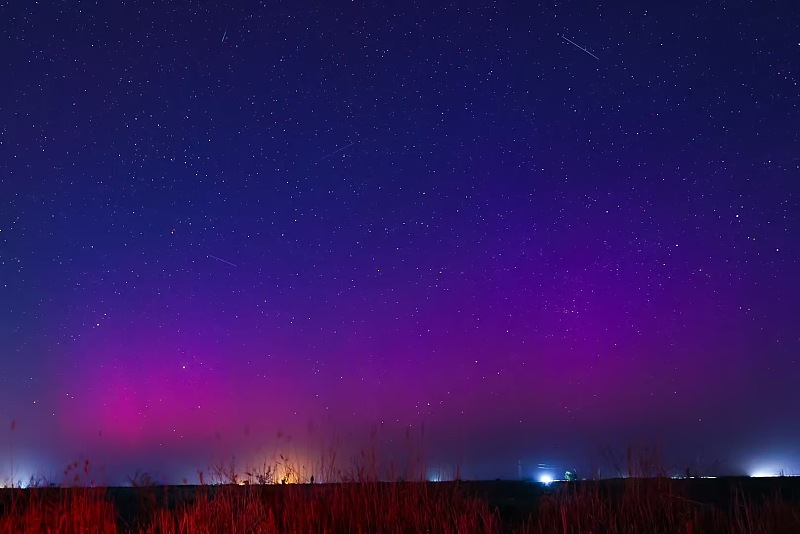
[(764, 474), (546, 479), (436, 475)]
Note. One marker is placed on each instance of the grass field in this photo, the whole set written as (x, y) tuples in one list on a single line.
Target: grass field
[(363, 505)]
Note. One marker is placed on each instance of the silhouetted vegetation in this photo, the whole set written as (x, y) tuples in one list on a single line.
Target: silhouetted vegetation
[(282, 498)]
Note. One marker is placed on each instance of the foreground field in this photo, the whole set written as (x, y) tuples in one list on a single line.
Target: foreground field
[(652, 505)]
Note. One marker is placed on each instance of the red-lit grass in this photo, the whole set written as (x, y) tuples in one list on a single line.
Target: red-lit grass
[(361, 502), (349, 507), (72, 510), (655, 506), (640, 505)]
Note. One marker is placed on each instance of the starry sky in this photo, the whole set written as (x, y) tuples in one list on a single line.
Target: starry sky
[(527, 232)]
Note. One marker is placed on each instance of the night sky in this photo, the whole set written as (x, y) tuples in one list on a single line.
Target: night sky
[(504, 233)]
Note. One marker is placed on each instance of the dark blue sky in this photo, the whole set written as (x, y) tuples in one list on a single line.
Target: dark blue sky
[(538, 231)]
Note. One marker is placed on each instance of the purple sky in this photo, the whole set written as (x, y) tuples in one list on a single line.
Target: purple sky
[(534, 232)]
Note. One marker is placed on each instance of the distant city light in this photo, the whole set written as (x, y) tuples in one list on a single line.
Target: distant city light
[(434, 478), (546, 479), (774, 468), (765, 474)]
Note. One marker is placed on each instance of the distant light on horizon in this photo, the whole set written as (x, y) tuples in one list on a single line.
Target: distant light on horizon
[(778, 465), (764, 474), (768, 473), (546, 479), (435, 475)]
